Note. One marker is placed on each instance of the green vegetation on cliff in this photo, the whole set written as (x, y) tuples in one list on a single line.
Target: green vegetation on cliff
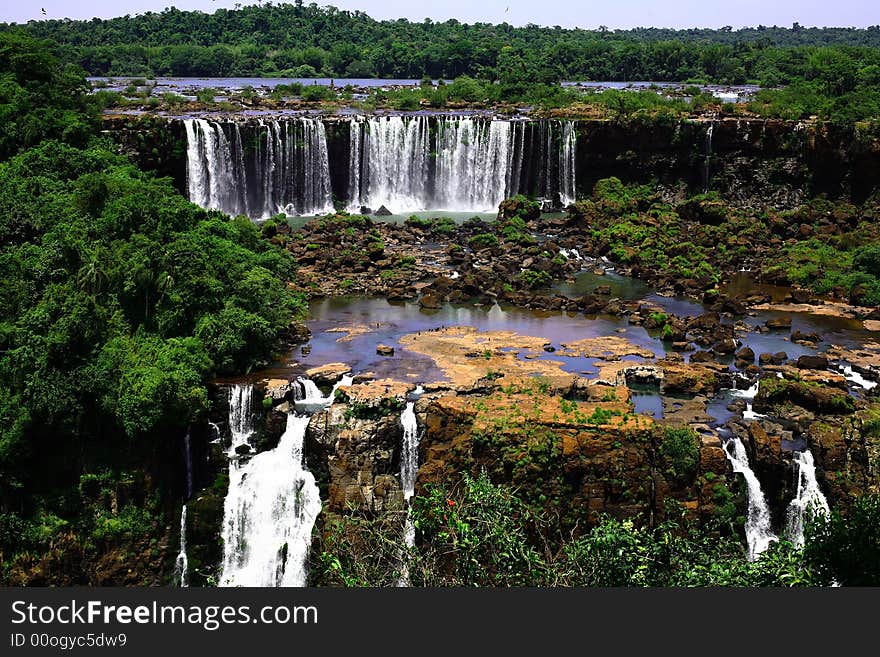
[(476, 533), (118, 300)]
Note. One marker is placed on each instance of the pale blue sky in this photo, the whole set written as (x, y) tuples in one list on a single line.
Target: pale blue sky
[(567, 13)]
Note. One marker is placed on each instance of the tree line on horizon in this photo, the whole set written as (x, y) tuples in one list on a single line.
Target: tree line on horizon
[(297, 40)]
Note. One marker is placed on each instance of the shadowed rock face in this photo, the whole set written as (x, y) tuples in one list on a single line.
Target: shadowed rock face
[(778, 162)]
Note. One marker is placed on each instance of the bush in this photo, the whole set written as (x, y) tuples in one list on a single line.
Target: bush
[(681, 453)]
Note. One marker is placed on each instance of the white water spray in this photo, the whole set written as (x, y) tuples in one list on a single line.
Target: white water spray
[(269, 514), (181, 564), (759, 534), (808, 497), (284, 167), (241, 420)]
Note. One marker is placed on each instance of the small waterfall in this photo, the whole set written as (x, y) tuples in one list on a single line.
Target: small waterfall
[(409, 456), (409, 467), (707, 172), (808, 496), (241, 419), (283, 167), (269, 514), (187, 448), (309, 398), (856, 378), (215, 429), (759, 533), (748, 395), (181, 564)]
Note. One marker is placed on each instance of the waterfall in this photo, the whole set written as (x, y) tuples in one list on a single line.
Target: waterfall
[(807, 496), (759, 534), (283, 167), (748, 395), (409, 468), (474, 161), (708, 159), (454, 163), (269, 513), (389, 163), (241, 420), (567, 156), (309, 397), (187, 447), (856, 378), (409, 457), (181, 564)]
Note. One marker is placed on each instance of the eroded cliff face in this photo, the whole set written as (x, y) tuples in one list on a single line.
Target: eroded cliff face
[(750, 161)]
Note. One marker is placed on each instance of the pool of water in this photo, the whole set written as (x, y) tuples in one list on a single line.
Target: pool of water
[(385, 323), (457, 217)]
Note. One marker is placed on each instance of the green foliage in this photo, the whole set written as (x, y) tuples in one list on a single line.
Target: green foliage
[(317, 92), (533, 279), (846, 548), (303, 41), (118, 297), (478, 533), (483, 241), (681, 452), (206, 95), (479, 536), (40, 98)]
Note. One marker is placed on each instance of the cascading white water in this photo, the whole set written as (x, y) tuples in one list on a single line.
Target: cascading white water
[(474, 164), (285, 167), (759, 534), (409, 463), (389, 163), (241, 420), (181, 564), (855, 377), (409, 468), (807, 497), (465, 164), (269, 514), (312, 399), (748, 395), (567, 158)]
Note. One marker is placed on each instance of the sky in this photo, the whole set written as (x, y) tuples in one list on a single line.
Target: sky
[(588, 14)]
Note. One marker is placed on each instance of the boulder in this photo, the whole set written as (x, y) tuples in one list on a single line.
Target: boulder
[(327, 375), (429, 301), (779, 358), (812, 363), (779, 323), (799, 336), (746, 354), (800, 296), (384, 350), (383, 211)]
